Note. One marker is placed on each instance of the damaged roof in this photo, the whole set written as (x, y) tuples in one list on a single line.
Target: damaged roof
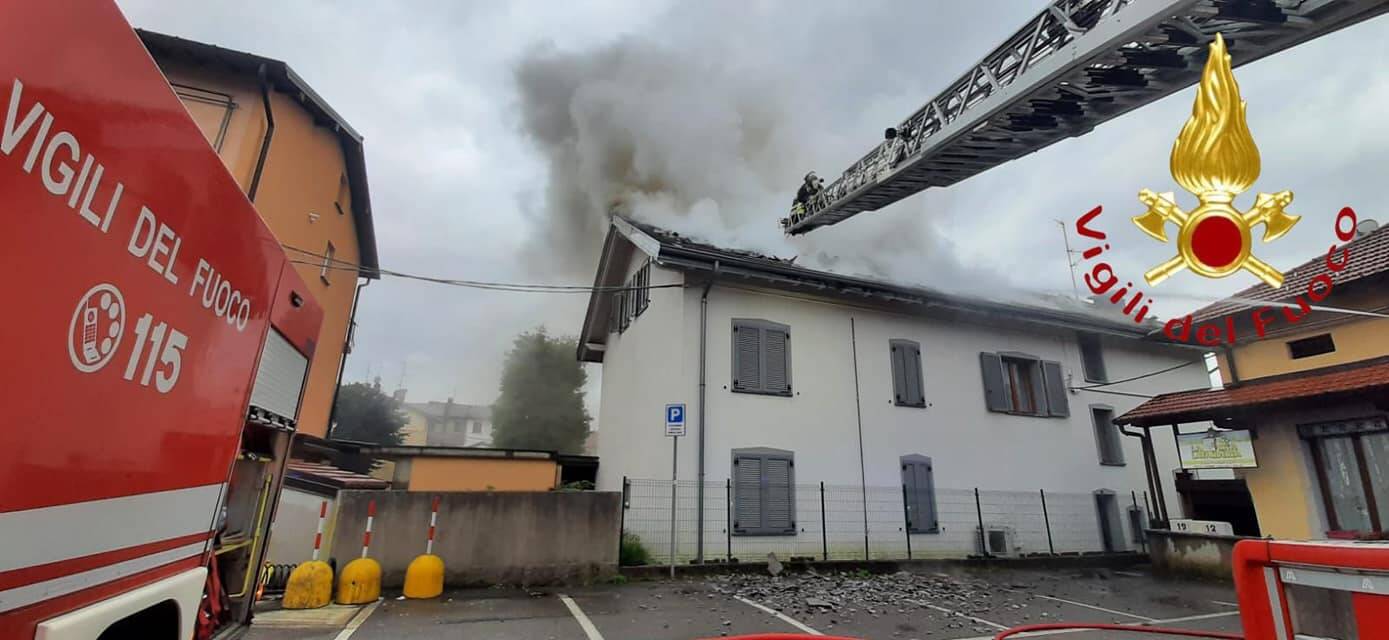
[(674, 251)]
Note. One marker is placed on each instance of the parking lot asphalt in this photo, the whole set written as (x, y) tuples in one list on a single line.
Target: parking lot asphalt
[(698, 608)]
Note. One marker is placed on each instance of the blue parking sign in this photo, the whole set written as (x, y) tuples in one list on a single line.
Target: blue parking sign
[(675, 419)]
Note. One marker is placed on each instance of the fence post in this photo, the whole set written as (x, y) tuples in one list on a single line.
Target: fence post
[(907, 521), (1046, 519), (622, 515), (728, 514), (1142, 539), (979, 511), (824, 531), (1148, 508)]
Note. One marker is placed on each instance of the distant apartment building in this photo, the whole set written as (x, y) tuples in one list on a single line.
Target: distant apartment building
[(448, 424), (303, 167), (793, 376), (1313, 394)]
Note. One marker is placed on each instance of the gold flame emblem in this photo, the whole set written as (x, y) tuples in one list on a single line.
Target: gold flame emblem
[(1215, 159)]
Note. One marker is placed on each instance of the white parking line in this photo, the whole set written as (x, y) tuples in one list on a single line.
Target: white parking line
[(780, 616), (1228, 604), (586, 624), (1096, 608), (357, 621), (1054, 632), (978, 620)]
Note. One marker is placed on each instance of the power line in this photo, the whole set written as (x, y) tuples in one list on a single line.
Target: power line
[(328, 263), (1137, 377)]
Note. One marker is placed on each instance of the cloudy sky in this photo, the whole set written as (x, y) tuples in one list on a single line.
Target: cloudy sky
[(497, 134)]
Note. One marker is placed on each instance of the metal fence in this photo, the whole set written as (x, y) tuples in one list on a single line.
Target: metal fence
[(848, 522)]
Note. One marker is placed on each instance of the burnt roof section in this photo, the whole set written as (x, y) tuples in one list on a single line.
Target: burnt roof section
[(1369, 255), (672, 250), (284, 80)]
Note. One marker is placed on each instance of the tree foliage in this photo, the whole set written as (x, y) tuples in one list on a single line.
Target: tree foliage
[(542, 396), (365, 414)]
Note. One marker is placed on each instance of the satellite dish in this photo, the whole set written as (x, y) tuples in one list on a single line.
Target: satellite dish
[(1365, 228)]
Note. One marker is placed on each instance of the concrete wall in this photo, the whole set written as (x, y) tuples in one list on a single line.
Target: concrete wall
[(296, 522), (1192, 554), (656, 361), (487, 538)]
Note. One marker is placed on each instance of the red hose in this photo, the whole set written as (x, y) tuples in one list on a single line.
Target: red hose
[(1117, 627)]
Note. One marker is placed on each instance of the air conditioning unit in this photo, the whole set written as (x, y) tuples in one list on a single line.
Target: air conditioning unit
[(999, 541)]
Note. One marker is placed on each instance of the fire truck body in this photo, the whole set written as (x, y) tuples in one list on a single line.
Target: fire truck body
[(155, 339)]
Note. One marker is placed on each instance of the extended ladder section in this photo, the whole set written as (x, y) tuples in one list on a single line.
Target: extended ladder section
[(1077, 64)]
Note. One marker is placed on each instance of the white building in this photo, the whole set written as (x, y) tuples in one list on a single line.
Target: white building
[(809, 377)]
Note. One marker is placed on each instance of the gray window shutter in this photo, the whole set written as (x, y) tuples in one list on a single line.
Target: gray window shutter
[(778, 508), (1055, 385), (777, 362), (747, 494), (747, 358), (919, 479), (915, 386), (995, 393), (898, 354)]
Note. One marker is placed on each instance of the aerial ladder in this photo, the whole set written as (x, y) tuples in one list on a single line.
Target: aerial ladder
[(1076, 64)]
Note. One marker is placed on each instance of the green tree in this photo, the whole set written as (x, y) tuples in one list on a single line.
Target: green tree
[(542, 396), (365, 414)]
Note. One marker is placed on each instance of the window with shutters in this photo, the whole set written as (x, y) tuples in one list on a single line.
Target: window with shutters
[(1107, 441), (764, 492), (919, 491), (631, 301), (1022, 384), (1092, 358), (906, 373), (761, 357)]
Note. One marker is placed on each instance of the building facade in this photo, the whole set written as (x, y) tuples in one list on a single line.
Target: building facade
[(303, 167), (448, 424), (813, 377), (1313, 392)]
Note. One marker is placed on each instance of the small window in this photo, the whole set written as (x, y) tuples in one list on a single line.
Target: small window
[(1107, 441), (327, 263), (1022, 384), (761, 357), (919, 487), (1313, 346), (1092, 358), (764, 492), (477, 426), (906, 373)]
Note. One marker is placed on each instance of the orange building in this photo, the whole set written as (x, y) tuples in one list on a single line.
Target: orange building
[(303, 167)]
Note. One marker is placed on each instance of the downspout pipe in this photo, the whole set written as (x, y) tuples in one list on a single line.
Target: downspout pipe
[(342, 362), (703, 352), (1149, 469), (269, 132)]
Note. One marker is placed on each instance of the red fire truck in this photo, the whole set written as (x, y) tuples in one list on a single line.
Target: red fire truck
[(155, 343)]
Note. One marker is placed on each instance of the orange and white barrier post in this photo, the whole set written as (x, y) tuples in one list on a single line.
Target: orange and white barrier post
[(311, 583), (360, 581), (424, 578), (318, 536)]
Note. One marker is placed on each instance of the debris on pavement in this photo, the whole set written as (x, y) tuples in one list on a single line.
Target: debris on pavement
[(845, 594), (773, 565)]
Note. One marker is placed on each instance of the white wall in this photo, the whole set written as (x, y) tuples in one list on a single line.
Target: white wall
[(656, 362), (296, 522)]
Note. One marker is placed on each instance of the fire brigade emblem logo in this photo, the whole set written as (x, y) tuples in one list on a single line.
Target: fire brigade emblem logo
[(1215, 159)]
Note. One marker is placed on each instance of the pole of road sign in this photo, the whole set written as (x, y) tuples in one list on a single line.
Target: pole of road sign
[(675, 427), (674, 461)]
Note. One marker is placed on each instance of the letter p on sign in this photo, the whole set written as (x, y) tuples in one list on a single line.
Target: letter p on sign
[(675, 420)]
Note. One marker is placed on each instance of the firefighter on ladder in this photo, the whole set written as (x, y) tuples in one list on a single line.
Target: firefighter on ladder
[(811, 187)]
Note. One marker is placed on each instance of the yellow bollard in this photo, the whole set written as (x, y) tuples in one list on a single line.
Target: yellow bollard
[(359, 582), (310, 586), (424, 578)]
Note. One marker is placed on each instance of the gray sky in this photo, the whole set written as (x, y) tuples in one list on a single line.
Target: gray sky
[(489, 125)]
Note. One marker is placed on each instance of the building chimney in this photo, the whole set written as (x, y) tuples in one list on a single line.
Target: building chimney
[(1365, 228)]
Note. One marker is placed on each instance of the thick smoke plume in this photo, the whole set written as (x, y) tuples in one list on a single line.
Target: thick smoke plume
[(711, 150)]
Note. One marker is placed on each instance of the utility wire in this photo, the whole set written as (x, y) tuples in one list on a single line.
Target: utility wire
[(334, 264), (1137, 377)]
